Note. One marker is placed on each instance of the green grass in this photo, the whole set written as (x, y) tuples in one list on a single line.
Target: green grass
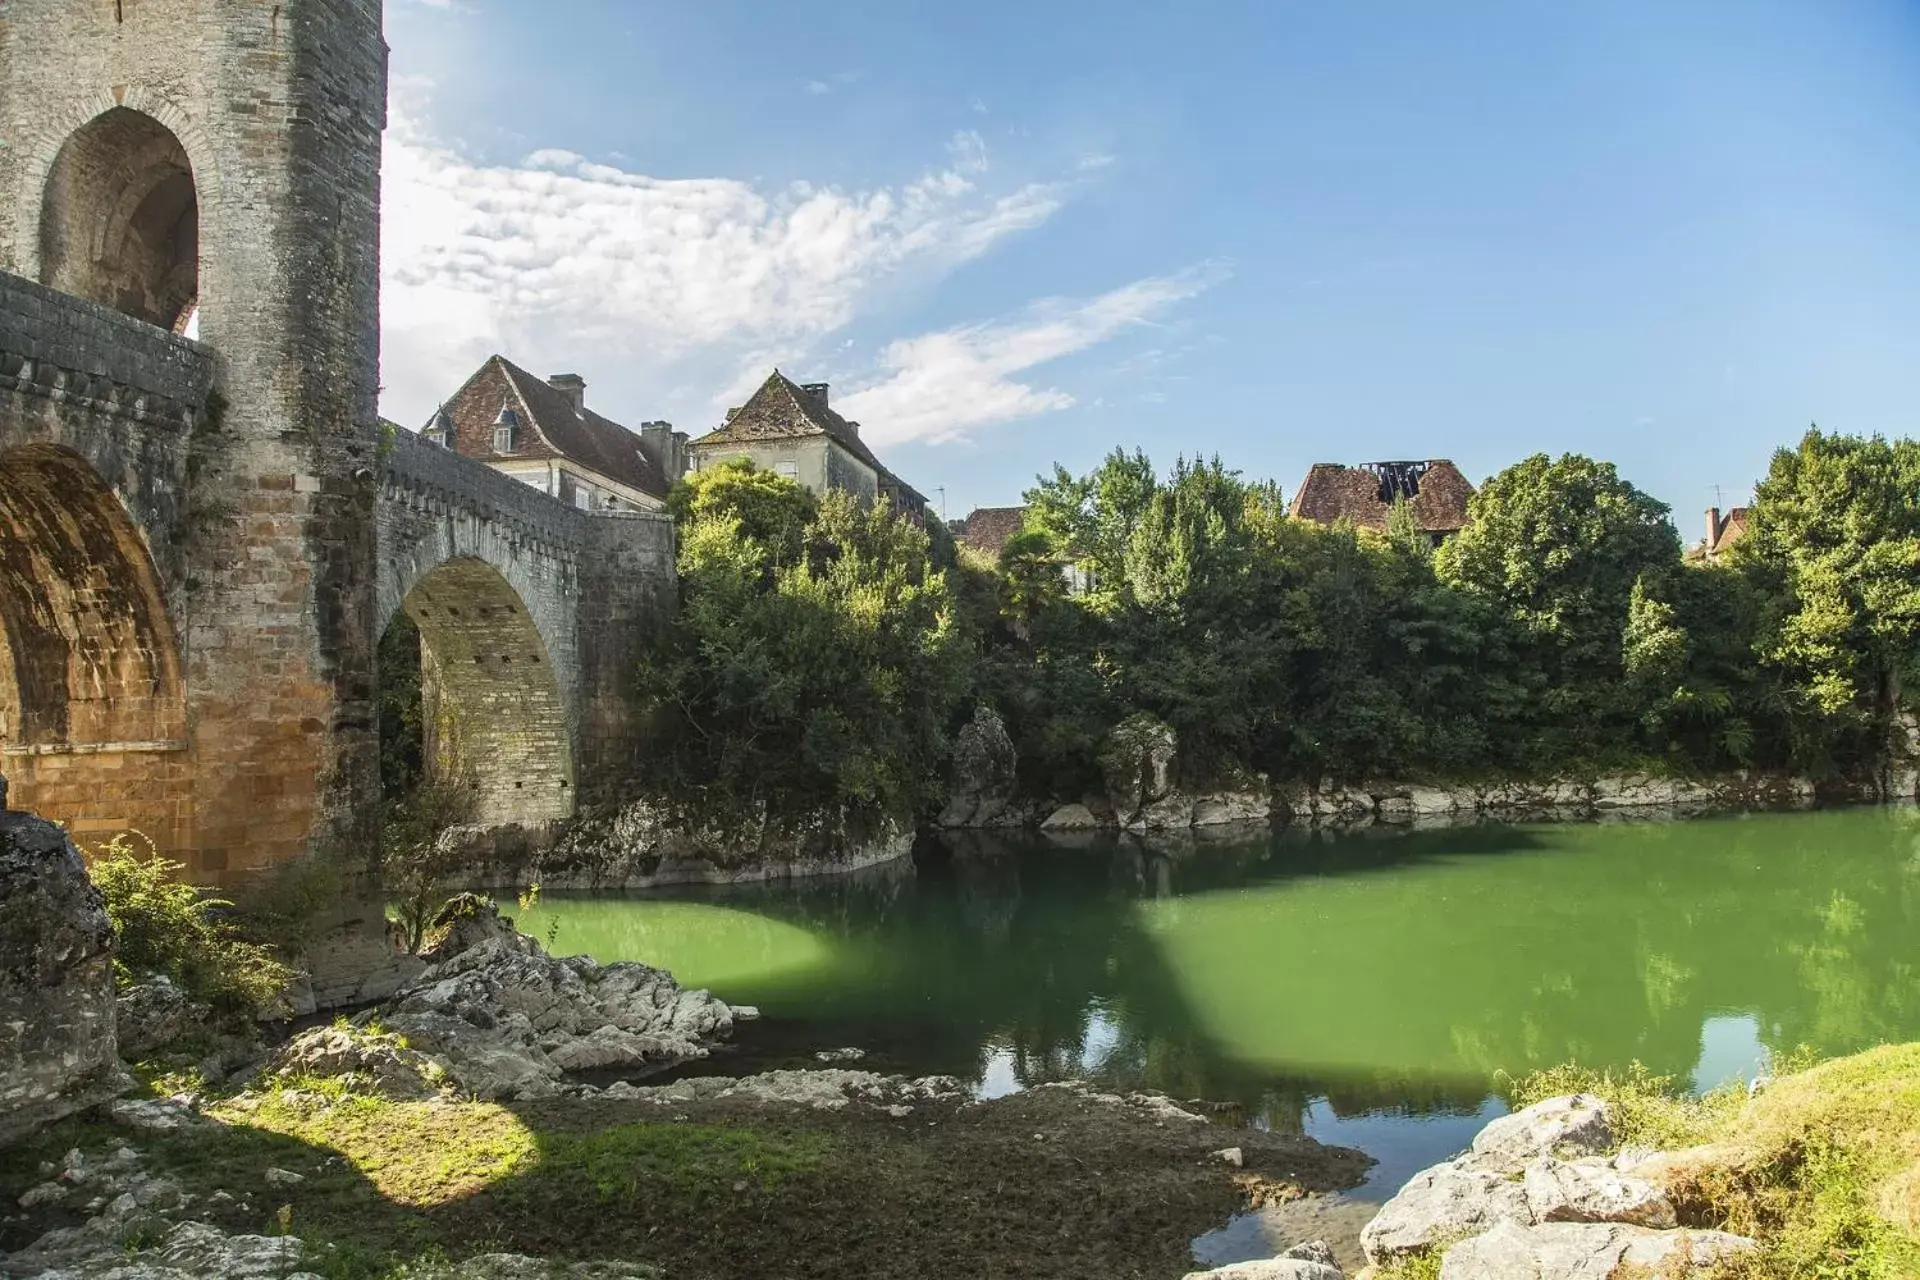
[(1822, 1166)]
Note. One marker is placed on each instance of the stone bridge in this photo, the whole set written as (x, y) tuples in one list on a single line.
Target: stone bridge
[(120, 669)]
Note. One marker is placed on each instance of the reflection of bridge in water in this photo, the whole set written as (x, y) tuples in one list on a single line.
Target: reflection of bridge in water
[(200, 543)]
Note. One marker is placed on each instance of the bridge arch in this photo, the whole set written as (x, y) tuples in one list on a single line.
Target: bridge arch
[(493, 710), (92, 699), (120, 219)]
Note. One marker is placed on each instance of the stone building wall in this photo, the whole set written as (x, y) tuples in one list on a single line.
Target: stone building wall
[(278, 112), (97, 414)]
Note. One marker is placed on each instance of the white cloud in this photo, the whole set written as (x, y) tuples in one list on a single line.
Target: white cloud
[(941, 385), (654, 282)]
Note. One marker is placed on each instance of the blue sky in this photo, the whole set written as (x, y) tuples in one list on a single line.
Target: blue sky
[(1671, 235)]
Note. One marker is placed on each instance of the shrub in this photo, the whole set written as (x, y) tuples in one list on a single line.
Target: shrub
[(167, 926)]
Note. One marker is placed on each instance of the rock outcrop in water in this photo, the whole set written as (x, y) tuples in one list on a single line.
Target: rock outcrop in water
[(983, 776), (56, 980), (495, 1016)]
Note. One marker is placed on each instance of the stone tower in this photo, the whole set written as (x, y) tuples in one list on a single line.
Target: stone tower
[(216, 163)]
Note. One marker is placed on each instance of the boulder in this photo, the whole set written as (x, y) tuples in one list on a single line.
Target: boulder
[(383, 1062), (1232, 808), (56, 980), (1588, 1251), (465, 921), (1561, 1192), (1439, 1205), (504, 1019), (1071, 817), (984, 772), (1578, 1124), (151, 1015), (1273, 1269), (1138, 764), (1169, 813)]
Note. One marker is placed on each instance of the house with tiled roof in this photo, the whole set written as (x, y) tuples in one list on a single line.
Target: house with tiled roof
[(1365, 494), (989, 529), (791, 428), (1723, 531), (541, 432)]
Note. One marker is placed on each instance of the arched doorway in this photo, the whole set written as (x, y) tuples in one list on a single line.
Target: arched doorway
[(489, 710), (92, 705), (120, 221)]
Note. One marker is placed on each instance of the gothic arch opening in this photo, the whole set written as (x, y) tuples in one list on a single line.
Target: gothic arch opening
[(92, 704), (120, 221), (486, 711)]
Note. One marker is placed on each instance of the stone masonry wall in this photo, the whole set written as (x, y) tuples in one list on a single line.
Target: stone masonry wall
[(279, 111), (97, 413), (530, 680)]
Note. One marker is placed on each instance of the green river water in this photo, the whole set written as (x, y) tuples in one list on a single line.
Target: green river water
[(1365, 989)]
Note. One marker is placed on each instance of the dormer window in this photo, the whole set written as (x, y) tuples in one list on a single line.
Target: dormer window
[(506, 430), (439, 432)]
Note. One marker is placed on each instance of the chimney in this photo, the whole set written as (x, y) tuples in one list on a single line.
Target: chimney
[(665, 448), (1714, 526), (573, 387), (819, 391), (853, 429)]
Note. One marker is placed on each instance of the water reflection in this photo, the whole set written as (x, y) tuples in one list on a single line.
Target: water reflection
[(1319, 984)]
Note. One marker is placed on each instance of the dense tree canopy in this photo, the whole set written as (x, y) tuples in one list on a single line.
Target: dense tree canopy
[(815, 665), (824, 654)]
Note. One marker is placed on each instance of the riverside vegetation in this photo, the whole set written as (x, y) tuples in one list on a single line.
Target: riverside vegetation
[(825, 657)]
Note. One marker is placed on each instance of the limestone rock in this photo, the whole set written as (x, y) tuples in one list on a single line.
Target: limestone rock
[(827, 1089), (1138, 764), (504, 1019), (56, 981), (1440, 1204), (1273, 1269), (383, 1062), (1169, 813), (1588, 1251), (465, 921), (1071, 817), (984, 773), (1561, 1192), (1232, 808), (1578, 1124), (153, 1014), (1311, 1251)]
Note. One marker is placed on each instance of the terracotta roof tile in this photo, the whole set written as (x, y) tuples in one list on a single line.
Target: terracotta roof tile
[(1332, 492), (554, 429), (988, 529)]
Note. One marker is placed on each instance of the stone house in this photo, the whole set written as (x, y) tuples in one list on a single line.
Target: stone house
[(540, 432), (1365, 495), (791, 428), (1723, 531), (989, 529)]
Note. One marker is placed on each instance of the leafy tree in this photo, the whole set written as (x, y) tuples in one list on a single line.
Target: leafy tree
[(1557, 546), (1834, 540), (814, 669), (420, 858)]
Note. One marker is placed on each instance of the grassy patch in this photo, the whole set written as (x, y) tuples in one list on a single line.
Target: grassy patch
[(1822, 1166)]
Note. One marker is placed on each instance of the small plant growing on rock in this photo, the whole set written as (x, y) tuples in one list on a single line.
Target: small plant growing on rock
[(168, 926), (420, 859)]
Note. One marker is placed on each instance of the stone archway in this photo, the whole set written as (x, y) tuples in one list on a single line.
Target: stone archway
[(491, 703), (92, 703), (120, 219)]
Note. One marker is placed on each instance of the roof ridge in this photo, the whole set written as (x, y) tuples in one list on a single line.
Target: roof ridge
[(513, 374)]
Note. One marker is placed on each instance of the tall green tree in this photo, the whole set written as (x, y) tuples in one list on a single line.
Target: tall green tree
[(815, 666), (1557, 547), (1834, 540)]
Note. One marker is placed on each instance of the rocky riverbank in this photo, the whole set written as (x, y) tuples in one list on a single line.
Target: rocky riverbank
[(1145, 792)]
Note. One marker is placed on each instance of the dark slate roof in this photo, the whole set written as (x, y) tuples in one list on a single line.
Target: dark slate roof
[(988, 529), (1364, 494), (551, 427), (782, 409)]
